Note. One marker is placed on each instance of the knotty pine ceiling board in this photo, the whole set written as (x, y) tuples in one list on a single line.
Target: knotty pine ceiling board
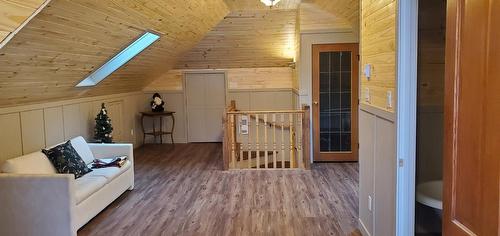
[(314, 19), (69, 39), (348, 9), (238, 5), (246, 39), (13, 13)]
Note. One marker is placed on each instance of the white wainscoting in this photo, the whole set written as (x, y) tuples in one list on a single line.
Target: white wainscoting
[(26, 129), (377, 168)]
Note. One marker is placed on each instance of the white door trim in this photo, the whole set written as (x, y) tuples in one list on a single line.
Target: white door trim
[(407, 32)]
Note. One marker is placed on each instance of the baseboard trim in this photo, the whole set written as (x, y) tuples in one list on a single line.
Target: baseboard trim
[(364, 231)]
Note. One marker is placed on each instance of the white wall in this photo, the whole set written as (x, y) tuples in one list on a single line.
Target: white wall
[(377, 170), (253, 99)]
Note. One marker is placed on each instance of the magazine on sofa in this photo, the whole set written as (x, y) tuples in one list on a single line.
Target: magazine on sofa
[(109, 162)]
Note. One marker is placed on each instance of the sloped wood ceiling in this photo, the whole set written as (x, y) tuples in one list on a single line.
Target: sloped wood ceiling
[(314, 19), (246, 39), (14, 12), (238, 5), (71, 38), (348, 9)]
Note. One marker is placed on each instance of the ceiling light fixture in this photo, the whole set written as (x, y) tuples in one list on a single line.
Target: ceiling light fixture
[(270, 3)]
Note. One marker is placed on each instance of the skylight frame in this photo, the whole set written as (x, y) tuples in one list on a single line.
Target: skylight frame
[(120, 59)]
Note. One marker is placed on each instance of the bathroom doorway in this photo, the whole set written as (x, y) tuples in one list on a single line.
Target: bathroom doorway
[(430, 102)]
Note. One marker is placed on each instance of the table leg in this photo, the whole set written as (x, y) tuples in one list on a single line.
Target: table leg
[(161, 130), (154, 131), (143, 132), (172, 130)]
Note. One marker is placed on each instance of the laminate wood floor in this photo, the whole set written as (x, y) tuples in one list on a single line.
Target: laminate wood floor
[(181, 190)]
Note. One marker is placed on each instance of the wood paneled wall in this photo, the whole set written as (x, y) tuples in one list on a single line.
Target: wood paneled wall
[(246, 39), (237, 78), (13, 13), (68, 39), (26, 129), (378, 48), (431, 39), (431, 56)]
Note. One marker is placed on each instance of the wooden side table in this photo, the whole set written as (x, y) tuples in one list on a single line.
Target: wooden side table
[(160, 132)]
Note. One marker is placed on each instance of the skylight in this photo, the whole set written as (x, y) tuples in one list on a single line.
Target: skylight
[(119, 59)]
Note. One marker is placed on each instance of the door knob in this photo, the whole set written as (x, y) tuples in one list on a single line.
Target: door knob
[(315, 102)]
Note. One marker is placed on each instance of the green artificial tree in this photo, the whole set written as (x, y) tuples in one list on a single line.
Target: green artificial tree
[(103, 128)]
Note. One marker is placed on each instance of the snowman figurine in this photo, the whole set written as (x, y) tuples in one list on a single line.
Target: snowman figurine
[(157, 103)]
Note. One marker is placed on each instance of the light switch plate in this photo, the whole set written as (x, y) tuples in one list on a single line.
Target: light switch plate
[(370, 203), (367, 95), (368, 71), (389, 99)]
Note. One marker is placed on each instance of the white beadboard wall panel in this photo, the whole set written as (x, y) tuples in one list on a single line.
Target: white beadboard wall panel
[(54, 125), (72, 120), (366, 158), (378, 164), (29, 128), (32, 130), (10, 136), (174, 101)]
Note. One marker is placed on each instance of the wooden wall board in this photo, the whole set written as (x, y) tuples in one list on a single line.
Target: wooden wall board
[(67, 40), (378, 48), (237, 78)]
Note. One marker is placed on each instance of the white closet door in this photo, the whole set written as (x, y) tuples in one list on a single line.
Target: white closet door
[(205, 95)]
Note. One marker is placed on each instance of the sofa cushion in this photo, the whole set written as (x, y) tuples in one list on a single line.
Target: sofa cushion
[(81, 146), (111, 173), (66, 160), (88, 185), (33, 163)]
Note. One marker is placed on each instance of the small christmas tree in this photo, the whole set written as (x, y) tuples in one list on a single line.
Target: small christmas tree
[(103, 128)]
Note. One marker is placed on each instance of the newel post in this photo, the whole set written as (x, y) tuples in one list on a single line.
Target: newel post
[(306, 137)]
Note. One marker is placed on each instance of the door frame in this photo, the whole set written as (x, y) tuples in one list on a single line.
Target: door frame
[(184, 90), (347, 156), (406, 115)]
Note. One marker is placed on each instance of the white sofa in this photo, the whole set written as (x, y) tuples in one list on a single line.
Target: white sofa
[(35, 200)]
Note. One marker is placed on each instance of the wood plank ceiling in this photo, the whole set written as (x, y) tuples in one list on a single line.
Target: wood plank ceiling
[(246, 39), (348, 9), (71, 38), (14, 12), (238, 5)]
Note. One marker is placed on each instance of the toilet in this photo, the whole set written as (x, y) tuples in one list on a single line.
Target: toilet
[(431, 194)]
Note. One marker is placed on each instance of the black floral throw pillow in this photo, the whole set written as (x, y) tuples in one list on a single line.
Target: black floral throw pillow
[(66, 160)]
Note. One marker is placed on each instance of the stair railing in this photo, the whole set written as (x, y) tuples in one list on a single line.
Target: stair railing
[(278, 139)]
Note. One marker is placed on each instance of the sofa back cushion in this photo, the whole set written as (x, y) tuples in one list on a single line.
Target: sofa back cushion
[(81, 146), (33, 163)]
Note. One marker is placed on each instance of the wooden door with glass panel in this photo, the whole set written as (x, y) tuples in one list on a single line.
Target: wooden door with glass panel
[(335, 102)]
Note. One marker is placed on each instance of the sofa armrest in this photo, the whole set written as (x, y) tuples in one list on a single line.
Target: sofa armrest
[(36, 204), (107, 150)]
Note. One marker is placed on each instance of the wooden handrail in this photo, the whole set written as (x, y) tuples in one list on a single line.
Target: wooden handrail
[(265, 112), (261, 149)]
